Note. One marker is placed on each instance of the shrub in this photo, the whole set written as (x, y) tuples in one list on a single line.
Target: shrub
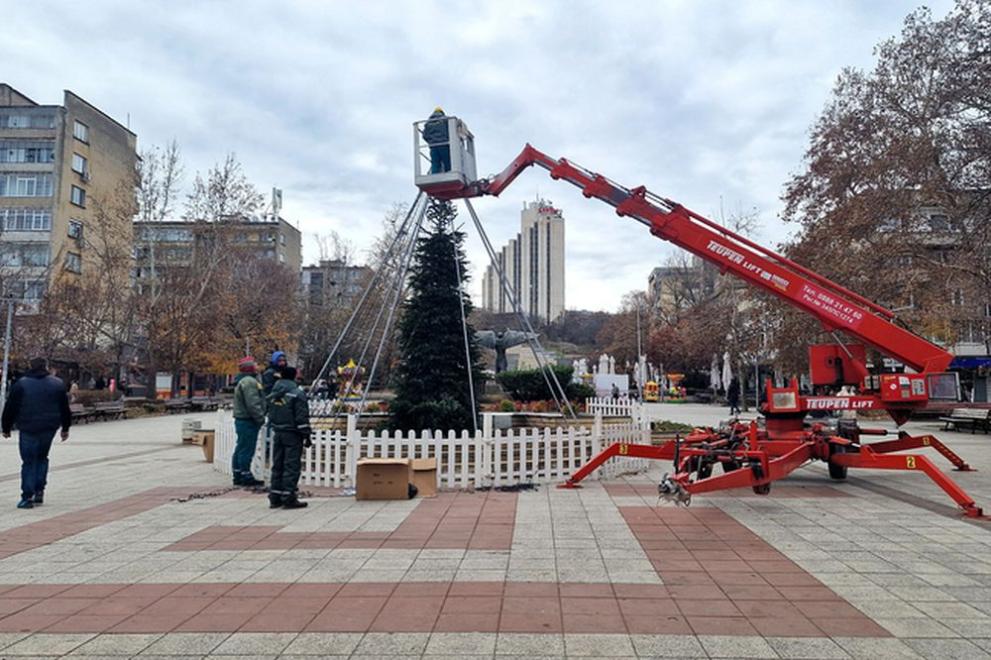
[(529, 384), (89, 397), (441, 415), (507, 406)]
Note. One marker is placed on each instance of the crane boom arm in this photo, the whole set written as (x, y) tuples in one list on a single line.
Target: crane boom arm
[(836, 307)]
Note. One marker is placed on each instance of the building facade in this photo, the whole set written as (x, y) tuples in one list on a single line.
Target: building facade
[(333, 283), (62, 169), (173, 243), (533, 264)]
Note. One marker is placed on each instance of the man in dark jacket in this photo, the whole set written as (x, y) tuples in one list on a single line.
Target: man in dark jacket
[(270, 375), (249, 415), (438, 137), (289, 417), (38, 405), (733, 396)]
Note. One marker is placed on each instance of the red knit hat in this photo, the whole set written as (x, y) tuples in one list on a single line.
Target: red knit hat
[(246, 365)]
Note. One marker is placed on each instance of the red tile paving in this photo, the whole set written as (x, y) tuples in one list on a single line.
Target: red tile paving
[(737, 584), (720, 578), (37, 534), (480, 521)]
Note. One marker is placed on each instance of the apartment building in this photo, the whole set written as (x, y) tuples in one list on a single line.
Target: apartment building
[(173, 243), (533, 264), (62, 167)]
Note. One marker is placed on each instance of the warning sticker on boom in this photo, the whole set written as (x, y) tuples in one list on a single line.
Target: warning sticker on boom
[(831, 306)]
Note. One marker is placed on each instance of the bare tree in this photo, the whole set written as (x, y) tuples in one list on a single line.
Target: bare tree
[(160, 173), (225, 192), (895, 196)]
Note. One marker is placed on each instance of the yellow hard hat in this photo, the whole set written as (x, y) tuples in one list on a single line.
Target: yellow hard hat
[(439, 109)]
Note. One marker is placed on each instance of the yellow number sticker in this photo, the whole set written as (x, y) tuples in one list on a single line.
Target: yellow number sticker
[(623, 449), (925, 441), (910, 462)]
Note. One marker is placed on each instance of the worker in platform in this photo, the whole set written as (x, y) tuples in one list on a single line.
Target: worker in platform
[(733, 396), (438, 137), (249, 415), (289, 416), (38, 405)]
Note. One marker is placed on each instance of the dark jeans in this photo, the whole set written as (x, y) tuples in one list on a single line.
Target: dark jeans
[(734, 408), (440, 159), (287, 458), (244, 450), (34, 461)]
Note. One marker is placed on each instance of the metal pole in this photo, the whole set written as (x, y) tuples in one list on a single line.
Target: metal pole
[(6, 352), (639, 354)]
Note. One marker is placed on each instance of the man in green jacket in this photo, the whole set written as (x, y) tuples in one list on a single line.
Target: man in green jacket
[(289, 417), (249, 415)]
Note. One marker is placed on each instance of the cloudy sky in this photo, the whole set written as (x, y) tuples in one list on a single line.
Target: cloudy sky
[(705, 102)]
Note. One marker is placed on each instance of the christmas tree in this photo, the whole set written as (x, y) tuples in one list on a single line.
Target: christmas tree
[(431, 381)]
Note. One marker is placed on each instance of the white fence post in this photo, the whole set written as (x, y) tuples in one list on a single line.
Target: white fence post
[(351, 449)]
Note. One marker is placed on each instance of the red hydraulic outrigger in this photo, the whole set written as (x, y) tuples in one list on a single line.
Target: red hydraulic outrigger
[(751, 455)]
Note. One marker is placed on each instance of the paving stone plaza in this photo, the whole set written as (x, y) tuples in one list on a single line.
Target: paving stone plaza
[(142, 550)]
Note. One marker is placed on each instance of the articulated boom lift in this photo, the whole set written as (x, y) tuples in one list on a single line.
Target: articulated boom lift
[(752, 455)]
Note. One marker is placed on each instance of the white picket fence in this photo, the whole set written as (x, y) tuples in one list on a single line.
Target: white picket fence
[(465, 461), (621, 407)]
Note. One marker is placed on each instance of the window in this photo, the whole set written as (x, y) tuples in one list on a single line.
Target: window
[(27, 151), (987, 311), (79, 164), (80, 131), (34, 290), (27, 118), (282, 258), (939, 222), (282, 237), (78, 196), (25, 184), (958, 297), (18, 255), (73, 262), (75, 229), (22, 219)]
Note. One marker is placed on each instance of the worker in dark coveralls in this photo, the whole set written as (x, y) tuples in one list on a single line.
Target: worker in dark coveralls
[(38, 405), (249, 415), (289, 416), (437, 136)]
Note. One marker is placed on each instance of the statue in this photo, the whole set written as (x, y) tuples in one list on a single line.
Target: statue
[(612, 364), (500, 341), (603, 364)]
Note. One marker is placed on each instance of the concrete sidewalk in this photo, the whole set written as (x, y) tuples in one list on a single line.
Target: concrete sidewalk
[(121, 562)]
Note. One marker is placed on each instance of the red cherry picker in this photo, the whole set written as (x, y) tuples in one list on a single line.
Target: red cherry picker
[(749, 455)]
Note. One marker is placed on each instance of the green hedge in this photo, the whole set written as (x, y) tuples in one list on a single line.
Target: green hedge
[(530, 385)]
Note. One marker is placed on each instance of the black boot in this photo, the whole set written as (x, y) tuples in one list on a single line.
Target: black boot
[(251, 482), (274, 502), (294, 503)]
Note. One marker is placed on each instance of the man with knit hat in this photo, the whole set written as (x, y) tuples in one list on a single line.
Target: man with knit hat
[(249, 415)]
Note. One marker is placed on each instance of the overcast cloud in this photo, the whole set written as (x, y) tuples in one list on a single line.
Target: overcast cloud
[(700, 101)]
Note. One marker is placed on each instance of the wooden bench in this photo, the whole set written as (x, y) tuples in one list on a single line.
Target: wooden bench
[(204, 403), (177, 405), (80, 413), (108, 409), (975, 418)]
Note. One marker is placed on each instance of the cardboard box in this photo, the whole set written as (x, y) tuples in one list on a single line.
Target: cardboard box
[(425, 476), (382, 479), (205, 439)]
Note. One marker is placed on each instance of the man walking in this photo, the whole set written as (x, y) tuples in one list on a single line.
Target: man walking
[(249, 415), (733, 396), (38, 405), (289, 416)]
